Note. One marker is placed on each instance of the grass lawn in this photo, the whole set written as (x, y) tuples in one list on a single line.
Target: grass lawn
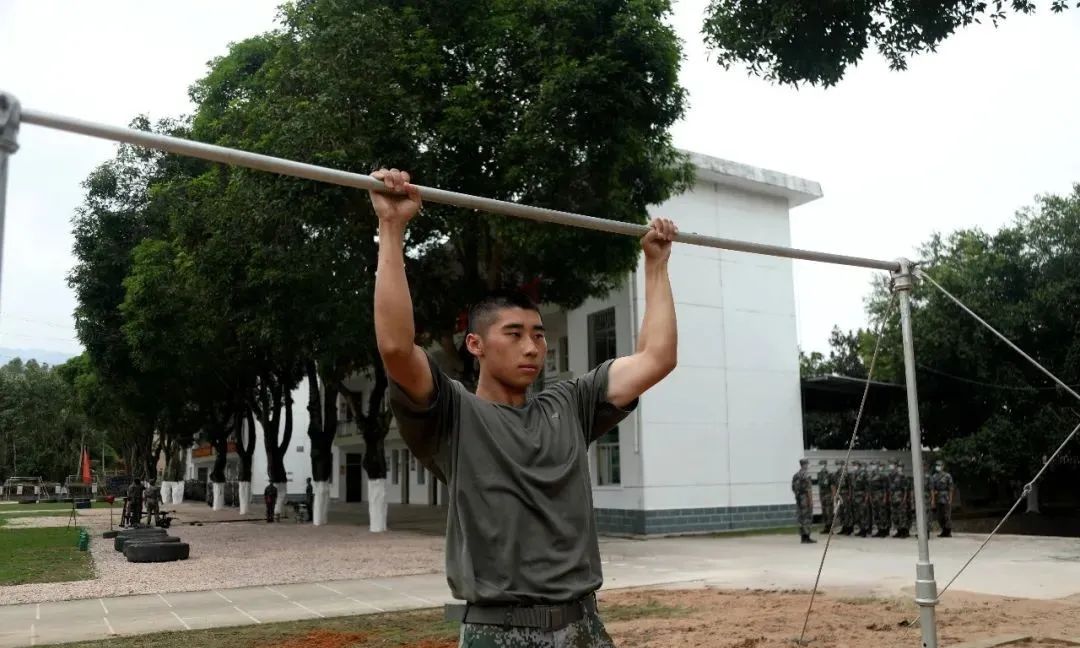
[(47, 555), (421, 629), (44, 506)]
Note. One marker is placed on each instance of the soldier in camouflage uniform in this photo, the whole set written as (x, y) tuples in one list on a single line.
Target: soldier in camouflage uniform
[(847, 507), (826, 484), (802, 486), (909, 482), (942, 484), (928, 488), (898, 500), (879, 495), (860, 494)]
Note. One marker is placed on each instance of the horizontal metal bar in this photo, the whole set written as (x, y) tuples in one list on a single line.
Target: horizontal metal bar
[(362, 181)]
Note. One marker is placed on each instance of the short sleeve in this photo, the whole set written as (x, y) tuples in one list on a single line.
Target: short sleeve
[(598, 416), (427, 428)]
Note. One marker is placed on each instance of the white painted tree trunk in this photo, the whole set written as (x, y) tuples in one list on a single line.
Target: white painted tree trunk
[(178, 492), (166, 492), (279, 505), (377, 505), (321, 505), (1033, 499), (245, 496), (219, 496)]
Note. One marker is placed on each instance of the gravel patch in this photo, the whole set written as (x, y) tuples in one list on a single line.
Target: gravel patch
[(237, 554), (37, 522)]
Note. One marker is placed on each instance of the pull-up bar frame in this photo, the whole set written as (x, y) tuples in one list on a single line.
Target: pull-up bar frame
[(11, 114)]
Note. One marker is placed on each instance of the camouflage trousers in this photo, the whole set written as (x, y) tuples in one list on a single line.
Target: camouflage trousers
[(806, 517), (586, 633), (846, 511), (863, 517), (881, 511), (899, 509), (826, 509), (943, 514)]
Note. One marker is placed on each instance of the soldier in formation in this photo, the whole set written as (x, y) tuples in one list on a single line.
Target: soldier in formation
[(941, 498), (826, 483), (879, 497), (802, 486), (846, 512), (899, 495), (861, 494)]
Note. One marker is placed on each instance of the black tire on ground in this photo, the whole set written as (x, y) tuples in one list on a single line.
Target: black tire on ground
[(124, 536), (154, 540), (110, 534), (157, 552)]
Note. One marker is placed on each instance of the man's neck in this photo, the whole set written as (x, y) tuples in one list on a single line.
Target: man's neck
[(494, 391)]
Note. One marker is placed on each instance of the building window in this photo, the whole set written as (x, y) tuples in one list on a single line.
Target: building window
[(395, 465), (601, 337), (421, 475), (608, 468), (564, 354)]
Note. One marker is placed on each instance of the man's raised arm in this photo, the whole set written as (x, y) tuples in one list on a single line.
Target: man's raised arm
[(657, 349), (395, 331)]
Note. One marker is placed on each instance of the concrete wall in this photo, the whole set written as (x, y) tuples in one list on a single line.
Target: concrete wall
[(718, 436)]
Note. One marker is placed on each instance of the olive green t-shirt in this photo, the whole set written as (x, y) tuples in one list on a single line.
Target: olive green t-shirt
[(520, 526)]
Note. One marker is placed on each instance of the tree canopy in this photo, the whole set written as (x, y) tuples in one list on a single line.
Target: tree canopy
[(203, 282), (794, 41)]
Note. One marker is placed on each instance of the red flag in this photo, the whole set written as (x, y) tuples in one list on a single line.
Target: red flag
[(86, 479)]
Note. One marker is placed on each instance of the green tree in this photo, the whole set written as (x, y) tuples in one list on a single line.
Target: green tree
[(994, 415), (115, 217), (796, 41), (42, 428), (563, 104)]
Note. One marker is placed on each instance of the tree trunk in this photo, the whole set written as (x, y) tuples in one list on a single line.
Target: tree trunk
[(272, 396), (245, 446), (279, 457), (374, 424), (1033, 499)]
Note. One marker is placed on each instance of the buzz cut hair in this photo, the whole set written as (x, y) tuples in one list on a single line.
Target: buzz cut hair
[(482, 313)]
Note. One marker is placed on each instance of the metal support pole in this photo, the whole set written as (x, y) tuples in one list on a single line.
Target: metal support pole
[(9, 132), (360, 181), (925, 585)]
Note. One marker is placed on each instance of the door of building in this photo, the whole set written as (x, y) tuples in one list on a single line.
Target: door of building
[(354, 477)]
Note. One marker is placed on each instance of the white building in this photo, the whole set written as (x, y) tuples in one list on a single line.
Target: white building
[(200, 460), (713, 446)]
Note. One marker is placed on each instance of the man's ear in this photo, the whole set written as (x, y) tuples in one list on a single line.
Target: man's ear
[(475, 345)]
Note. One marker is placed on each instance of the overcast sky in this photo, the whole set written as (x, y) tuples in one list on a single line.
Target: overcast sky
[(963, 138)]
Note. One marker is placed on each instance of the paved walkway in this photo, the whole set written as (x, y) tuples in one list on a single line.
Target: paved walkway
[(1019, 566)]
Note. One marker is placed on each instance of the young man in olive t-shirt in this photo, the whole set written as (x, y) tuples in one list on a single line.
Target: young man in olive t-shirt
[(521, 542)]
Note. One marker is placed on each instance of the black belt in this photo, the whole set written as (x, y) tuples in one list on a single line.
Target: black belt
[(547, 618)]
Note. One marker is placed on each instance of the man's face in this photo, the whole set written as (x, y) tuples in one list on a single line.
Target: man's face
[(513, 348)]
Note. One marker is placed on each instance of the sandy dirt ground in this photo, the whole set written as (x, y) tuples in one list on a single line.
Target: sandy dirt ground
[(754, 619), (236, 554)]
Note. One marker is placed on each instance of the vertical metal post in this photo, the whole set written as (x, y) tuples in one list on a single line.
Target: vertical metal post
[(925, 585), (9, 131)]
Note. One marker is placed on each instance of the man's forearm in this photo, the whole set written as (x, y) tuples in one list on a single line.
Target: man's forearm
[(395, 330), (659, 331)]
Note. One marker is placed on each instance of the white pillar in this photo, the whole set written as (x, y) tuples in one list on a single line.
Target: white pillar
[(245, 496), (377, 505), (279, 505), (321, 502), (219, 496)]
